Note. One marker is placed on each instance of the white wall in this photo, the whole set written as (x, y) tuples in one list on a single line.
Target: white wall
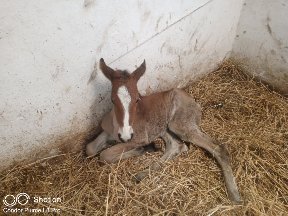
[(52, 92), (262, 41)]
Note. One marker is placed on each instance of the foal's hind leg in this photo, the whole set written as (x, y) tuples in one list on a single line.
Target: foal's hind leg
[(193, 134), (172, 149)]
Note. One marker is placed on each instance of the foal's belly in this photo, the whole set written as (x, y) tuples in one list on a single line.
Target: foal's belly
[(152, 128)]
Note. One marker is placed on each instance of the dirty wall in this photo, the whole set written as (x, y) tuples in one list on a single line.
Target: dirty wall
[(52, 94), (261, 41)]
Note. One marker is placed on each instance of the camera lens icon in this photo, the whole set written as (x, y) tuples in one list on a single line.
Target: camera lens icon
[(11, 200)]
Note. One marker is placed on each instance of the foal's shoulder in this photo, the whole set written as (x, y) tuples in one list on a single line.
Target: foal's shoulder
[(107, 123)]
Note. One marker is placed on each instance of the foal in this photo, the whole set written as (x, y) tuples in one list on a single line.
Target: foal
[(137, 120)]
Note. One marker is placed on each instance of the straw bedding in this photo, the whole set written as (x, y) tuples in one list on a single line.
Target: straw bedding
[(245, 115)]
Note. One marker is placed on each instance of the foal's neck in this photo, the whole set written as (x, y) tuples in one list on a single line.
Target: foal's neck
[(154, 103)]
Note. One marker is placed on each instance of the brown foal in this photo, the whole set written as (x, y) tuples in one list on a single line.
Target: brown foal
[(137, 120)]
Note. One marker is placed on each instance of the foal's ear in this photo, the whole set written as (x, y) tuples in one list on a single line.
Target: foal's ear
[(139, 71), (107, 71)]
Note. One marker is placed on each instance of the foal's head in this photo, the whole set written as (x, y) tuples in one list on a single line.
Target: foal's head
[(124, 96)]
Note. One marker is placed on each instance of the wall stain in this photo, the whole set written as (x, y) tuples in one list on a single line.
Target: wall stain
[(93, 74), (105, 35), (203, 44), (284, 60), (71, 141), (40, 115), (2, 114), (193, 34), (172, 50), (57, 72), (139, 4), (196, 45), (101, 98), (191, 50), (169, 65), (89, 3), (270, 31), (260, 49), (67, 89), (196, 30), (145, 16), (180, 64), (157, 22), (134, 37), (273, 52), (163, 45)]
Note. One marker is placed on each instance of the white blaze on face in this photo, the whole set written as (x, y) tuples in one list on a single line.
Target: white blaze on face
[(126, 131)]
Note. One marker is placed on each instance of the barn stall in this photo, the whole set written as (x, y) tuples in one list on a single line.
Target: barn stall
[(53, 96)]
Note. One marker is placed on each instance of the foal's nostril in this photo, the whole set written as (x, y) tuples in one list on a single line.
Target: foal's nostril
[(124, 139), (119, 135), (132, 136)]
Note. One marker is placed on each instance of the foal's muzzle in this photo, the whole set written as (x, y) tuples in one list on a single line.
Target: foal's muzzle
[(124, 140), (125, 133)]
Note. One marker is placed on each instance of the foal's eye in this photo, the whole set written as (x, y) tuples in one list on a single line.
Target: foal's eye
[(138, 99), (112, 100)]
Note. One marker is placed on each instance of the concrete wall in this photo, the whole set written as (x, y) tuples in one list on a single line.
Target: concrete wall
[(52, 92), (262, 41)]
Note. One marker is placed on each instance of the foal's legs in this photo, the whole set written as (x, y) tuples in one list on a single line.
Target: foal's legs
[(172, 149), (97, 145), (124, 151), (193, 134)]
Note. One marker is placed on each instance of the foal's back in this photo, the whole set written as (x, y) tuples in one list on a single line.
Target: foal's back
[(155, 111)]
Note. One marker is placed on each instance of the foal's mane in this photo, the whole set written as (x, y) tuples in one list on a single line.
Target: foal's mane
[(122, 75)]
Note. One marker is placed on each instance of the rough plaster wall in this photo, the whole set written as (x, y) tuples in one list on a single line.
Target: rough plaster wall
[(262, 41), (52, 92)]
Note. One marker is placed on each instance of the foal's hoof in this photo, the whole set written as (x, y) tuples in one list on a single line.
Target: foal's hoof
[(141, 175), (90, 151), (237, 201), (184, 148), (235, 197)]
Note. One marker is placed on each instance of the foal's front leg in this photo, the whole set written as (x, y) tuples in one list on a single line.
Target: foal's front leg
[(124, 151), (97, 145)]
